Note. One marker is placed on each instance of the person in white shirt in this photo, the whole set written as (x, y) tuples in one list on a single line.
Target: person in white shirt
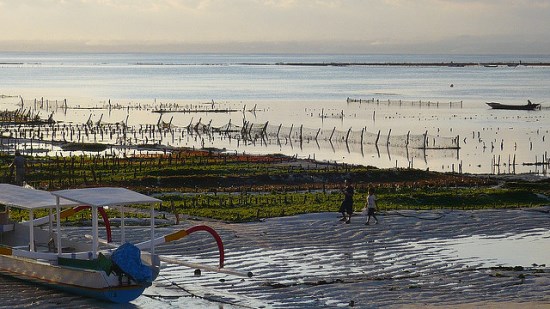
[(371, 206)]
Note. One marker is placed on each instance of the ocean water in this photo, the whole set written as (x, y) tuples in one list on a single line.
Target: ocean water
[(311, 97), (258, 77)]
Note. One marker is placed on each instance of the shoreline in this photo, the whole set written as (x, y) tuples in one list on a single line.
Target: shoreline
[(412, 64)]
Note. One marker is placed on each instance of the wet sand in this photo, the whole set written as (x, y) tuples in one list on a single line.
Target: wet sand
[(411, 259)]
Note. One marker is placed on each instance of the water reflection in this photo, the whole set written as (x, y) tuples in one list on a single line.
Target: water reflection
[(527, 249)]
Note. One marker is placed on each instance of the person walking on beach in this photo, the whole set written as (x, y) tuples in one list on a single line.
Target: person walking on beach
[(347, 204), (371, 206), (19, 164)]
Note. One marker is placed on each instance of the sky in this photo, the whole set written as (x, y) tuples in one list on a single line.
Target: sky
[(277, 26)]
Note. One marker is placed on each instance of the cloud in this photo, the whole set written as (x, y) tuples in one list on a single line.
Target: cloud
[(321, 24)]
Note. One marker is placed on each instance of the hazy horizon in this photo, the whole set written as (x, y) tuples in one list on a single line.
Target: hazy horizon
[(277, 26)]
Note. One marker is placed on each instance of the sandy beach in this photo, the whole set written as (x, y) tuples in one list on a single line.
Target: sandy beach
[(412, 259)]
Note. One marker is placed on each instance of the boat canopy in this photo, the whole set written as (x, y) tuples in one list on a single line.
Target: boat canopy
[(105, 196), (27, 198), (109, 196)]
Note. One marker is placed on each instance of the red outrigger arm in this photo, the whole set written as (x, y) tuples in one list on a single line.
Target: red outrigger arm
[(71, 211), (183, 233), (167, 238)]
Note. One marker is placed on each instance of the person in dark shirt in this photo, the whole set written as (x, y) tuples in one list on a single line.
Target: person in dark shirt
[(19, 164), (346, 208)]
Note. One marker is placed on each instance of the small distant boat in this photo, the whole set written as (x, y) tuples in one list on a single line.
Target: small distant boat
[(527, 107), (456, 65)]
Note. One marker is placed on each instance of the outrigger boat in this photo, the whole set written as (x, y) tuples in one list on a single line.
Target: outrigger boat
[(117, 274), (529, 106)]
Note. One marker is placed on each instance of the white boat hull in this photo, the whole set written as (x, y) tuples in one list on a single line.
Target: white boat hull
[(86, 282)]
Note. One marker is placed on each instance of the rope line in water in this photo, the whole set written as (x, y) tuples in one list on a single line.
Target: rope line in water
[(191, 294)]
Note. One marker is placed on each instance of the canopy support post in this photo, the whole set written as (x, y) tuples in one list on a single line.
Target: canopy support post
[(152, 229), (31, 230), (58, 224), (122, 227), (94, 232)]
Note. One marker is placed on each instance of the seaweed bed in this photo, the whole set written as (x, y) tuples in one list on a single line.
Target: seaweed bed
[(232, 187)]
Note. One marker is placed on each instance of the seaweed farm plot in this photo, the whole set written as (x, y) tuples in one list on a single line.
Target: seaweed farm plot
[(254, 131), (52, 138), (26, 131), (384, 136), (408, 146), (120, 139), (420, 103)]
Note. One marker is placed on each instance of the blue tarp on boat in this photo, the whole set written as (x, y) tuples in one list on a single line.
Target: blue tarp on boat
[(128, 258)]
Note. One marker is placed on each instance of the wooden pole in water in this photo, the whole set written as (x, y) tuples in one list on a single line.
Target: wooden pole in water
[(330, 138), (347, 135), (425, 139), (264, 130), (290, 133)]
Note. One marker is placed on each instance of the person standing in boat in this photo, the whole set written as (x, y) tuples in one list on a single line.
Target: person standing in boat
[(19, 165)]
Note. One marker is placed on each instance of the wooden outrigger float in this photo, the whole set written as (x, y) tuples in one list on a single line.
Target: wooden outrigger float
[(117, 274)]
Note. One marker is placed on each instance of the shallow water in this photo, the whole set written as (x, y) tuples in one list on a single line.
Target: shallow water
[(490, 141), (525, 249), (263, 91)]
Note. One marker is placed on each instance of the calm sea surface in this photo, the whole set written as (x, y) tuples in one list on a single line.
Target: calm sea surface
[(256, 77), (268, 90)]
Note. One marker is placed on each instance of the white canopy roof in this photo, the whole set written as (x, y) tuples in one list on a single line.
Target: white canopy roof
[(105, 196), (27, 198)]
